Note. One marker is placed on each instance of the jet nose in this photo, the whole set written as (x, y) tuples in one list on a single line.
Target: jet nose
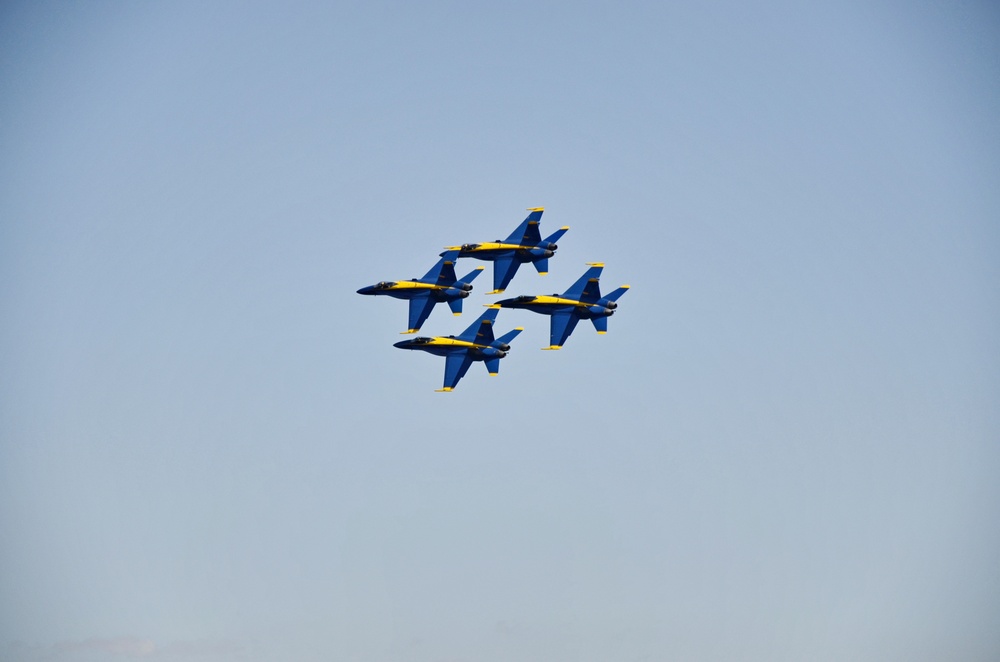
[(402, 344), (367, 290)]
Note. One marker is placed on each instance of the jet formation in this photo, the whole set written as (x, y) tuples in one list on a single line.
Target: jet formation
[(581, 301)]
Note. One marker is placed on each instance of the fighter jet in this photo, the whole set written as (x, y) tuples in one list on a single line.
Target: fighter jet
[(439, 284), (523, 245), (475, 344), (581, 301)]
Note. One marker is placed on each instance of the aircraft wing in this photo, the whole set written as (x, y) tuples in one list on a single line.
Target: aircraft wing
[(420, 308), (456, 364), (481, 331), (527, 234), (504, 268), (588, 287), (563, 323), (442, 273)]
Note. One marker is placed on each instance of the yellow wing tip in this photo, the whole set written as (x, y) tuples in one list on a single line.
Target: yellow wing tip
[(493, 305), (625, 287), (494, 374), (495, 291), (553, 347), (595, 264), (536, 208), (519, 328), (601, 333), (543, 273), (479, 268), (456, 314), (403, 333), (446, 389), (565, 227)]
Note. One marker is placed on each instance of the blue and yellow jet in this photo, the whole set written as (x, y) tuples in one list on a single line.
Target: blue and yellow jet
[(439, 284), (474, 344), (580, 302), (523, 245)]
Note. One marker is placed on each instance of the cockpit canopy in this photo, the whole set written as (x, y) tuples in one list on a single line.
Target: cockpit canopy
[(422, 340), (385, 285), (469, 247)]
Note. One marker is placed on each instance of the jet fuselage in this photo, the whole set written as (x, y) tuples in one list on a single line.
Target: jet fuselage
[(494, 250), (548, 305), (442, 346), (407, 289)]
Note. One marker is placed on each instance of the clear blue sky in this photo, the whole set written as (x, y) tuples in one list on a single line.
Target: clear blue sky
[(786, 448)]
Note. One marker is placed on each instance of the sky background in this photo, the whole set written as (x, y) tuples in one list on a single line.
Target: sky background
[(785, 448)]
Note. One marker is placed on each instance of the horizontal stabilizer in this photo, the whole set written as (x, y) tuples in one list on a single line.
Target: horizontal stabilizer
[(492, 365), (601, 324), (510, 335), (554, 237), (614, 296), (542, 266), (456, 306), (472, 275)]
